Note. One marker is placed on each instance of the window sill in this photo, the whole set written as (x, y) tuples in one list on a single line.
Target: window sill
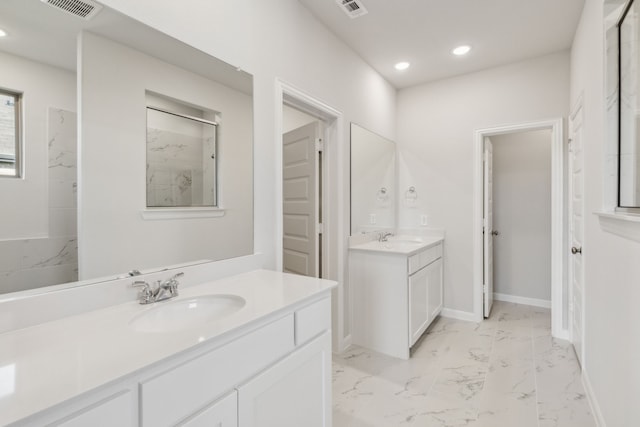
[(621, 224), (181, 213)]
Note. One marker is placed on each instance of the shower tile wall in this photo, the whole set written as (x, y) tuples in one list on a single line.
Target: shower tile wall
[(176, 170), (31, 263)]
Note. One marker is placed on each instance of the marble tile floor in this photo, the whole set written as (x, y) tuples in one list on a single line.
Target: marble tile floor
[(504, 372)]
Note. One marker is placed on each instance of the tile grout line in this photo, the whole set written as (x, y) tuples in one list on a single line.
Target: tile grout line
[(484, 384), (438, 372), (535, 374)]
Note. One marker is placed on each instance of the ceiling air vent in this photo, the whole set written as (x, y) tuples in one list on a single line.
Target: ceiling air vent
[(85, 9), (353, 8)]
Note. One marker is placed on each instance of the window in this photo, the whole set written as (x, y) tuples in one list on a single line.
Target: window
[(10, 135)]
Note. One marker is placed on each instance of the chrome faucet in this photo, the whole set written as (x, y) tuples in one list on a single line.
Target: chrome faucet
[(383, 236), (163, 289)]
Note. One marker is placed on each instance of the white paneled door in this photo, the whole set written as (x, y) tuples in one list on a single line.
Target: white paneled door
[(300, 199), (576, 232), (488, 227)]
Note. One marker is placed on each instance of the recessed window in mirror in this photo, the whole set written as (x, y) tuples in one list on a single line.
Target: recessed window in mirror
[(10, 134), (629, 109), (181, 154)]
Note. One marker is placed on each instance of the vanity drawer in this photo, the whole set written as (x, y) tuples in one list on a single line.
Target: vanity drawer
[(180, 392), (313, 320), (424, 258)]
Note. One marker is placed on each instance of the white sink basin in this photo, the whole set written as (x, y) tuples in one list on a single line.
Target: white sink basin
[(171, 316), (404, 239)]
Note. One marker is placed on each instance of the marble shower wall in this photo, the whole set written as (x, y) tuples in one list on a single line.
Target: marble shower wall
[(180, 167), (50, 260)]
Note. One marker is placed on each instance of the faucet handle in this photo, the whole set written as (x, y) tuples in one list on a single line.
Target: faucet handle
[(175, 276), (146, 293)]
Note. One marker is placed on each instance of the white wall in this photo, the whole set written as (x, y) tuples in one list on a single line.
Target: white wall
[(113, 236), (436, 124), (522, 214), (612, 271), (293, 119), (278, 39)]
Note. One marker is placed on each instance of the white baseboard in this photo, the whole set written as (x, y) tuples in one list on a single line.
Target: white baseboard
[(459, 315), (522, 300), (345, 343), (593, 403)]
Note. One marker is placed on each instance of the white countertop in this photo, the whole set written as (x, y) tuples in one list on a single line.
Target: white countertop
[(46, 364), (398, 245)]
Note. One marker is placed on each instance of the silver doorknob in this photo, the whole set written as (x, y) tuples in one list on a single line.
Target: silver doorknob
[(575, 250), (495, 232)]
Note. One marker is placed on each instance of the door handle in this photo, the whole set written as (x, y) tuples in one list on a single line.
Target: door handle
[(495, 232), (575, 250)]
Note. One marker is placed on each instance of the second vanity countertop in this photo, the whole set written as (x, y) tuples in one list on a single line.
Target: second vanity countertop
[(44, 365), (402, 245)]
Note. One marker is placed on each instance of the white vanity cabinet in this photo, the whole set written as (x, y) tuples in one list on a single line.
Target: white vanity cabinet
[(274, 373), (293, 393), (116, 410), (397, 293), (223, 413)]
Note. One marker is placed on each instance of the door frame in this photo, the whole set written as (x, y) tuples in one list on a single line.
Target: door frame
[(559, 306), (334, 204)]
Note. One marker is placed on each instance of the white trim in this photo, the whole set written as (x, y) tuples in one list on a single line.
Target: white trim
[(558, 306), (181, 213), (459, 315), (620, 224), (593, 402), (334, 247), (535, 302)]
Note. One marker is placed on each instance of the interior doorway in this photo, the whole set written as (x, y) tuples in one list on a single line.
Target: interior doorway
[(518, 210), (484, 233), (301, 192), (332, 198)]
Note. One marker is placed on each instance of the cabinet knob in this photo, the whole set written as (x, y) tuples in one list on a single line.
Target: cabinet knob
[(575, 250), (495, 232)]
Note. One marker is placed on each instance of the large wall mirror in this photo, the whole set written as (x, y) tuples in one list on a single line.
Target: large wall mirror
[(629, 107), (622, 75), (373, 181), (78, 167)]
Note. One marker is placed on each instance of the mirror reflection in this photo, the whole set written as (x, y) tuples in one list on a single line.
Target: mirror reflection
[(59, 225), (373, 181), (629, 107), (181, 154)]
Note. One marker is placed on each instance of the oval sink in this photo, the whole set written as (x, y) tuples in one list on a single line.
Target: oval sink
[(184, 314), (405, 239)]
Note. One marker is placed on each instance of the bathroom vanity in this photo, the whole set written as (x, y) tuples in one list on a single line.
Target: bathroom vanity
[(397, 291), (263, 360)]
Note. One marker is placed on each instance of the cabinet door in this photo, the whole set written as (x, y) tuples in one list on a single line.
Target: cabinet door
[(418, 309), (293, 393), (223, 413), (435, 298)]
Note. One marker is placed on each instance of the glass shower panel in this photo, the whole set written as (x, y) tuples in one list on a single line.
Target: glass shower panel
[(181, 160)]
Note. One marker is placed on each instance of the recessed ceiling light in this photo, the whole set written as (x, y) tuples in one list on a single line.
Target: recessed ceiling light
[(402, 65), (3, 33), (461, 50)]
